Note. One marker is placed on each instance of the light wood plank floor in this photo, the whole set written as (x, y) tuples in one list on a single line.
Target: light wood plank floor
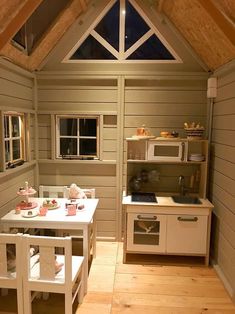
[(117, 288)]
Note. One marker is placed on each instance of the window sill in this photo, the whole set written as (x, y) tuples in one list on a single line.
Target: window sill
[(76, 161), (17, 169)]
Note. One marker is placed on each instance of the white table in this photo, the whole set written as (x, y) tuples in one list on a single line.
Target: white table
[(58, 220)]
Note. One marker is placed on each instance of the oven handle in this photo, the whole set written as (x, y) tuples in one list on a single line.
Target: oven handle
[(187, 218), (146, 218)]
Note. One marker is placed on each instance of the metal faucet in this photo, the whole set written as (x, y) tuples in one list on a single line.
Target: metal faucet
[(182, 185)]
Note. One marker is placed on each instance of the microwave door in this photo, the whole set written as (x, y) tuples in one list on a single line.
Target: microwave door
[(166, 151)]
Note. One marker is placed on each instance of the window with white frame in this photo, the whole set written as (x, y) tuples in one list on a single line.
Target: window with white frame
[(77, 137), (123, 33), (13, 138)]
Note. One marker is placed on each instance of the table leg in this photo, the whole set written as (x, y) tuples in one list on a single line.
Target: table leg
[(94, 236), (85, 254)]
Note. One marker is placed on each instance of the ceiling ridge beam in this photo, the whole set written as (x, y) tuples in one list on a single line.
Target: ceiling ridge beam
[(18, 21), (225, 26)]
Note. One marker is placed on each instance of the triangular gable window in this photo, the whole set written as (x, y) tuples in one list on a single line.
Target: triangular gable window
[(124, 34)]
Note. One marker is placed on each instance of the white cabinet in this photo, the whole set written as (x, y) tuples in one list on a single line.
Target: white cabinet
[(146, 232), (167, 230), (187, 234)]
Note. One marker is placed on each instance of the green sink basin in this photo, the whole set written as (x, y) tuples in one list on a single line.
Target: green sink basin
[(182, 199)]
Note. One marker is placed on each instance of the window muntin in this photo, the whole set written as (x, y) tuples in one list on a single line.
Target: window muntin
[(77, 137), (108, 28), (13, 138), (91, 49), (135, 26), (155, 49)]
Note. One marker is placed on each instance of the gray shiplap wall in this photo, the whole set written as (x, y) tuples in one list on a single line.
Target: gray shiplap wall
[(163, 103), (94, 96), (17, 94), (223, 176)]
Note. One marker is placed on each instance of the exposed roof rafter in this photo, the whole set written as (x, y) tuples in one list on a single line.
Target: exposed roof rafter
[(49, 40), (18, 21)]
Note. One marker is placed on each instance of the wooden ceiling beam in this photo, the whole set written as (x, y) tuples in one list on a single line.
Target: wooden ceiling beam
[(225, 26), (18, 21)]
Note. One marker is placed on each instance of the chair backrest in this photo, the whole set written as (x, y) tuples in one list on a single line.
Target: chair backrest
[(42, 274), (11, 265), (10, 253), (90, 193), (44, 267), (52, 191)]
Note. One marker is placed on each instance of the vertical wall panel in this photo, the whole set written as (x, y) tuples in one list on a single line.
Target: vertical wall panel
[(223, 175), (163, 104), (90, 97), (17, 93)]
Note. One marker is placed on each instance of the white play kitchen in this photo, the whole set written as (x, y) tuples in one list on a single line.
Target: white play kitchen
[(165, 207)]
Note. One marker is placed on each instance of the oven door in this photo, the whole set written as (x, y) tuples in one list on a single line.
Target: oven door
[(146, 233), (166, 151)]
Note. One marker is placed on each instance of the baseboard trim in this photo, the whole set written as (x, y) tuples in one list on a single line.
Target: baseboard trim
[(224, 281)]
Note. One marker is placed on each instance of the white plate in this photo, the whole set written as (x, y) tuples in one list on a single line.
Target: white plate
[(27, 215), (143, 136), (196, 155), (196, 159)]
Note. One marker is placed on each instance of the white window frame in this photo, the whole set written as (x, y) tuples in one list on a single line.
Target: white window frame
[(58, 136), (122, 55), (11, 138)]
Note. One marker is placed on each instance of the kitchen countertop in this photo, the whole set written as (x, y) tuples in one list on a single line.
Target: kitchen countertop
[(167, 201)]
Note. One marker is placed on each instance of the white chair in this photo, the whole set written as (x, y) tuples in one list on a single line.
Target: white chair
[(11, 270), (90, 193), (52, 191), (41, 277)]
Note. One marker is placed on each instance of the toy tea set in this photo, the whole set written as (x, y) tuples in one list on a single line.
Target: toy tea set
[(75, 193), (28, 207), (26, 192)]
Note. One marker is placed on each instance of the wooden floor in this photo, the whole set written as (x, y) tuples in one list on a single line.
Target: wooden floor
[(117, 288)]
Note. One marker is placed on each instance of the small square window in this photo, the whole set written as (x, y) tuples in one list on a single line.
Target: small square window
[(77, 137), (13, 138)]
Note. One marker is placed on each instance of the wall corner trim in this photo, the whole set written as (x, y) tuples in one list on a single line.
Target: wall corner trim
[(4, 62), (225, 69)]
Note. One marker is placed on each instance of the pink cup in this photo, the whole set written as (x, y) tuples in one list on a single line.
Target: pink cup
[(72, 209), (43, 211)]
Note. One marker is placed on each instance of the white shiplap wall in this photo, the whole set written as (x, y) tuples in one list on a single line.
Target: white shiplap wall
[(164, 103), (17, 94), (94, 96), (222, 181)]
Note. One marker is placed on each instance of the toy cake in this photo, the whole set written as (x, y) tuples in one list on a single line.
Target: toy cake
[(26, 192), (50, 204)]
